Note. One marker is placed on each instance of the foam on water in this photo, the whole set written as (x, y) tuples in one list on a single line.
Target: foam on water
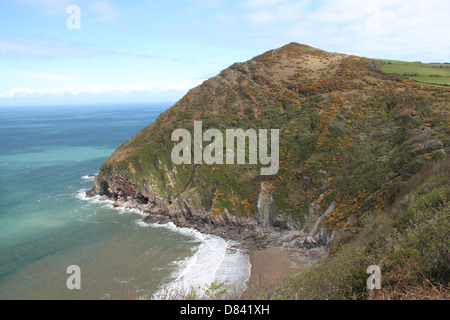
[(234, 270), (213, 260), (88, 178), (46, 156)]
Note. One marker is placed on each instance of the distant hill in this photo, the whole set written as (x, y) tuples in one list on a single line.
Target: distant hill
[(433, 73)]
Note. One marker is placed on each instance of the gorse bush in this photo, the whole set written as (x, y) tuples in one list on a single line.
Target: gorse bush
[(427, 238), (349, 135), (409, 241), (334, 278)]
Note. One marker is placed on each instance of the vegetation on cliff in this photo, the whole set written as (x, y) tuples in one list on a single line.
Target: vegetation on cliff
[(409, 241), (352, 138)]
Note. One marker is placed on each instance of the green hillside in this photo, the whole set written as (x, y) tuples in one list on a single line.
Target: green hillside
[(435, 73), (363, 159)]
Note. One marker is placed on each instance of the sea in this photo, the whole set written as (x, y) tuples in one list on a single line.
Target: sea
[(47, 225)]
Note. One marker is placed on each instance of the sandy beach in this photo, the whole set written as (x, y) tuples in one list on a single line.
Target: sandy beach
[(269, 266)]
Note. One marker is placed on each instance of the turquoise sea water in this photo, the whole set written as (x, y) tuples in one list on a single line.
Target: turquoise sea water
[(46, 224)]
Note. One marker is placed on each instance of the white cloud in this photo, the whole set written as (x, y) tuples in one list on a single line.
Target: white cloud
[(23, 49), (227, 18), (94, 90), (43, 75), (391, 29), (49, 7), (397, 29), (104, 11), (260, 3), (260, 12), (208, 3)]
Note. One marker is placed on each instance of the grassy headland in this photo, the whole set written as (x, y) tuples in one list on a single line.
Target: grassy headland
[(357, 137)]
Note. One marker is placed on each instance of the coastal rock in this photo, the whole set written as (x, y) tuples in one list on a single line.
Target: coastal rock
[(156, 219), (321, 237), (290, 236), (91, 193), (265, 204), (310, 242), (329, 148), (119, 203)]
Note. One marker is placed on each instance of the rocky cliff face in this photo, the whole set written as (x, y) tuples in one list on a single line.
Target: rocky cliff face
[(349, 137)]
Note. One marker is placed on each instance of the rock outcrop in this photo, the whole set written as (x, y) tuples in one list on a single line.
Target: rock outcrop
[(349, 136)]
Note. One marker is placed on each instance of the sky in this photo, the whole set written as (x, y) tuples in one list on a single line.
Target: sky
[(155, 51)]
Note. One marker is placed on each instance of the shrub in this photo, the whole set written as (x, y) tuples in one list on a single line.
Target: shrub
[(427, 239), (334, 278)]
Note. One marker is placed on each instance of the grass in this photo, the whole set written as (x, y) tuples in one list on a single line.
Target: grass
[(409, 241), (421, 72), (348, 132), (212, 291)]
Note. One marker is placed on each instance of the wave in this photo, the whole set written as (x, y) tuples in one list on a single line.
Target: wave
[(88, 177), (235, 270), (81, 195), (198, 272), (214, 260)]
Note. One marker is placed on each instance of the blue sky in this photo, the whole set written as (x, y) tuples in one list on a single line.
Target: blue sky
[(150, 51)]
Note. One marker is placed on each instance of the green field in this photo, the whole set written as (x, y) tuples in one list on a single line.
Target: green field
[(437, 73)]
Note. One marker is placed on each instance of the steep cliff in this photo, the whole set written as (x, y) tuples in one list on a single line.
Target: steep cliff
[(349, 137)]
